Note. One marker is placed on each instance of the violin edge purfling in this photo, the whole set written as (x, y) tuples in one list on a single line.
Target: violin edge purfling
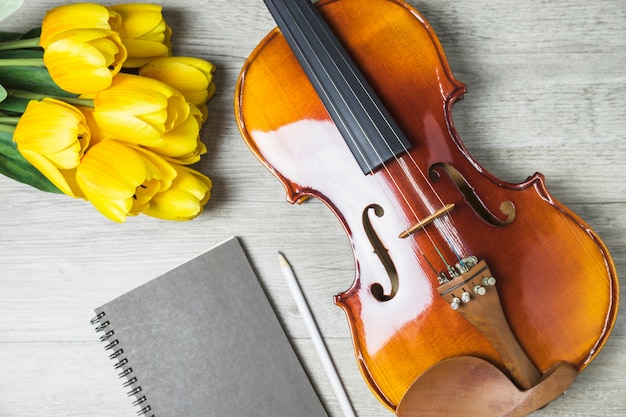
[(536, 247)]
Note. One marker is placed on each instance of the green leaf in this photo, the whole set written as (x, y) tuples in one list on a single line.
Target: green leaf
[(21, 54), (14, 105), (13, 165), (9, 36), (8, 7), (3, 94), (33, 79), (33, 33)]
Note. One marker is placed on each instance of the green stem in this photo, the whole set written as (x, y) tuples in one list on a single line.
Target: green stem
[(22, 62), (7, 128), (19, 44), (7, 120), (34, 96)]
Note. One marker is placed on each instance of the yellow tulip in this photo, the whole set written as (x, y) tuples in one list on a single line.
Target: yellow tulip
[(144, 32), (120, 180), (52, 136), (193, 77), (84, 61), (184, 200), (77, 16), (147, 112), (204, 113), (180, 148), (97, 134)]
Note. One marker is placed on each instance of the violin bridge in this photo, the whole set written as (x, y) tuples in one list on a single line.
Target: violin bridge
[(427, 220)]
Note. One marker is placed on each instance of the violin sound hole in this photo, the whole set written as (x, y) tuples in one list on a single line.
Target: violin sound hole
[(506, 207), (383, 254)]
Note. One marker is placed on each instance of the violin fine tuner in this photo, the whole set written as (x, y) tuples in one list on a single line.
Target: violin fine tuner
[(466, 277), (484, 312), (489, 281), (377, 144), (479, 290), (464, 267)]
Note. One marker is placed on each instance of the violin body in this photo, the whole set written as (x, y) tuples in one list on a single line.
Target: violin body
[(556, 281)]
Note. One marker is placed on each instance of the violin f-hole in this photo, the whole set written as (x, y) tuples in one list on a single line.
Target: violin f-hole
[(383, 254), (506, 207)]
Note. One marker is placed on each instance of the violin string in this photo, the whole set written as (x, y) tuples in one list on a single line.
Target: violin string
[(447, 228), (355, 142), (454, 242)]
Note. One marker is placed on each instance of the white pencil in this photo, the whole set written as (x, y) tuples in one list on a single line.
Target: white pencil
[(318, 342)]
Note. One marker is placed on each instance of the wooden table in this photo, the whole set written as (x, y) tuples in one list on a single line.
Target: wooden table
[(546, 93)]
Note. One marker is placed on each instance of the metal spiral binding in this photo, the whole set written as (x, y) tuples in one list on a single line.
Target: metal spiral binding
[(114, 345)]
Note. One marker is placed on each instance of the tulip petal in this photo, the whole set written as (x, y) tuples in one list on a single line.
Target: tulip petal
[(166, 172), (76, 16), (143, 49), (121, 179), (84, 61), (52, 126), (51, 172), (136, 116), (52, 136), (110, 170), (115, 210), (138, 19), (181, 140), (144, 32), (185, 199), (138, 130), (140, 110), (191, 76)]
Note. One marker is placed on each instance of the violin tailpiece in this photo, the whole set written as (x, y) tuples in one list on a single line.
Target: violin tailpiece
[(480, 389), (341, 118), (475, 296)]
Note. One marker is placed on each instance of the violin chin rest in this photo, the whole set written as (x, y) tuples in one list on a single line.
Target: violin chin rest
[(466, 386)]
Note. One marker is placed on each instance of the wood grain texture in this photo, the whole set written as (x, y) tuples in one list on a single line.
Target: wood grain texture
[(546, 90)]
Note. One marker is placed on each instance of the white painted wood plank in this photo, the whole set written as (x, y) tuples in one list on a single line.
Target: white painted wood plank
[(546, 87)]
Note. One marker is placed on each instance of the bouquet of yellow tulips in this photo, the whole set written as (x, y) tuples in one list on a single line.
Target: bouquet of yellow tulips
[(94, 105)]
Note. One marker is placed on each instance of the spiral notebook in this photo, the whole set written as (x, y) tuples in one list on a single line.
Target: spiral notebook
[(203, 341)]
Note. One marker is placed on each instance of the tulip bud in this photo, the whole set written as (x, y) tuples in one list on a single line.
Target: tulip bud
[(147, 112), (77, 16), (193, 77), (53, 136), (120, 180), (84, 61), (144, 32), (184, 200)]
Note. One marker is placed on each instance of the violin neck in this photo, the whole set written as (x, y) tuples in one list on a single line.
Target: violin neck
[(366, 126)]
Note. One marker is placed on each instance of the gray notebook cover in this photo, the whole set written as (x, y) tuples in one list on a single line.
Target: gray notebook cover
[(203, 341)]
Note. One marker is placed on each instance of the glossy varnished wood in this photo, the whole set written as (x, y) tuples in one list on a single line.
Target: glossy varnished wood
[(544, 256)]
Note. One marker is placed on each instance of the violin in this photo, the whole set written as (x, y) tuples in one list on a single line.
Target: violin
[(464, 283)]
